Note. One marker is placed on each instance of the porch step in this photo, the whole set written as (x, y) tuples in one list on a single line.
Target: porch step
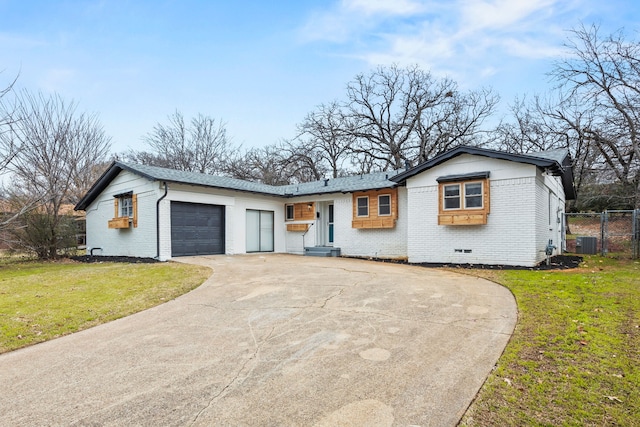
[(327, 251)]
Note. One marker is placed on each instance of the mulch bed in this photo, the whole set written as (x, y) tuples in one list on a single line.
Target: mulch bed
[(127, 259), (558, 262)]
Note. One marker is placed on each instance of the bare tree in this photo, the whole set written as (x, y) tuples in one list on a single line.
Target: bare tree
[(301, 163), (541, 124), (58, 146), (8, 147), (325, 134), (457, 119), (200, 145), (384, 108), (265, 165), (601, 74), (397, 116)]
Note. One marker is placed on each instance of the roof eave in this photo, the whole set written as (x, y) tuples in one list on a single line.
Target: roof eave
[(107, 176)]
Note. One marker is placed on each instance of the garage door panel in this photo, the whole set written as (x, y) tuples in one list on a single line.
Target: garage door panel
[(197, 229)]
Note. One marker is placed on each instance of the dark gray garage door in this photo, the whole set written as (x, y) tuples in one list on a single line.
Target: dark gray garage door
[(196, 229)]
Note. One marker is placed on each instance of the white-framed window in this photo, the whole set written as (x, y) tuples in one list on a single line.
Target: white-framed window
[(125, 203), (473, 195), (384, 205), (451, 196), (289, 213), (362, 206), (464, 195)]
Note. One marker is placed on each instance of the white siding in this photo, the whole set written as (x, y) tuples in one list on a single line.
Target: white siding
[(139, 241)]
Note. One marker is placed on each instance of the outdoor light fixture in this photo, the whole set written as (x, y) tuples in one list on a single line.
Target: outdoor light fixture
[(309, 206)]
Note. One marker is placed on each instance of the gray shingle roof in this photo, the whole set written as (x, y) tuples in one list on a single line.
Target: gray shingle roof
[(557, 154), (557, 161), (376, 180), (200, 179)]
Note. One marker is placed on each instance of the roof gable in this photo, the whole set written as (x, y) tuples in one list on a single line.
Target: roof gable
[(557, 162)]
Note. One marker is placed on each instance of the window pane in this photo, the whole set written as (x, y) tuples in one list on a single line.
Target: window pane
[(451, 190), (253, 231), (126, 206), (363, 206), (452, 203), (473, 189), (266, 231), (474, 201), (452, 196), (473, 194), (289, 214), (384, 205)]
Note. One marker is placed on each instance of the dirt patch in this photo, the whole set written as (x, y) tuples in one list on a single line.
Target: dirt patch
[(126, 259)]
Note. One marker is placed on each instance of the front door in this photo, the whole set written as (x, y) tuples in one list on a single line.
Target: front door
[(324, 224), (330, 224)]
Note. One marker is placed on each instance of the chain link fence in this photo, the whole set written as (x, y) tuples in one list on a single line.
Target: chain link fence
[(606, 233)]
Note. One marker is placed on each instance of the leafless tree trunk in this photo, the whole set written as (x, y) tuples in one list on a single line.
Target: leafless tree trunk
[(58, 146)]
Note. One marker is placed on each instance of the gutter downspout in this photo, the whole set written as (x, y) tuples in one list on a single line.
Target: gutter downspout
[(166, 190)]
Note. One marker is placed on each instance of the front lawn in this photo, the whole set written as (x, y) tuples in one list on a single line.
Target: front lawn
[(574, 358), (40, 301)]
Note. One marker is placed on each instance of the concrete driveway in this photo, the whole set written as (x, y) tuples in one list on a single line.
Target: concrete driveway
[(275, 340)]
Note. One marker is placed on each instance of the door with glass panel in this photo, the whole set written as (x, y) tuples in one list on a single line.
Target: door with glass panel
[(259, 231)]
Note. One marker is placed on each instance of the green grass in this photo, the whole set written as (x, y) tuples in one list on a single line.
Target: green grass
[(574, 358), (40, 301)]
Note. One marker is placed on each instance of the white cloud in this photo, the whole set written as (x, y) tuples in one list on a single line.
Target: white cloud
[(464, 39), (352, 18), (501, 14), (384, 7)]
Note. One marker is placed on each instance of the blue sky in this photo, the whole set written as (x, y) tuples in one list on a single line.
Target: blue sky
[(261, 66)]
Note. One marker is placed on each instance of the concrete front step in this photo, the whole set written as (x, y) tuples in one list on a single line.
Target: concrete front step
[(322, 251)]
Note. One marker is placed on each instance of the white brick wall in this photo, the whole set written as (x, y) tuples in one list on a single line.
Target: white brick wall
[(516, 233), (139, 241), (380, 243), (512, 234), (549, 218), (507, 238)]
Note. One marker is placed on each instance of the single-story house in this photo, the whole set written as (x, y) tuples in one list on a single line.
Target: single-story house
[(467, 205)]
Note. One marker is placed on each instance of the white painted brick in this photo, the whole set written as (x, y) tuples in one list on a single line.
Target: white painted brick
[(516, 233), (139, 241)]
